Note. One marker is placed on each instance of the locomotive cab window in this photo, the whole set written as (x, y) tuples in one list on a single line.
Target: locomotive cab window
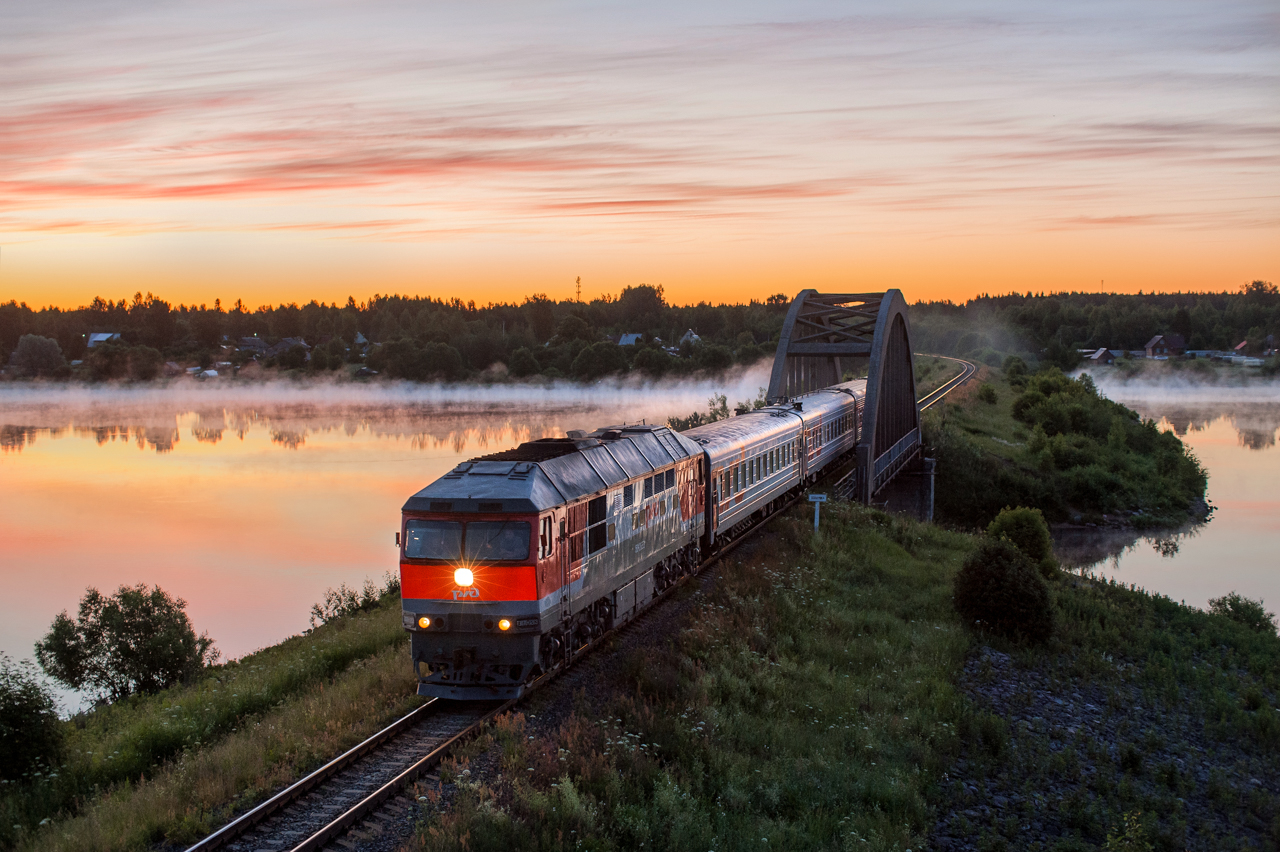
[(482, 541), (497, 541), (432, 539)]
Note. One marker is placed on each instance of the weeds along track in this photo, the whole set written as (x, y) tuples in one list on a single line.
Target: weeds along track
[(353, 788), (967, 370), (329, 802)]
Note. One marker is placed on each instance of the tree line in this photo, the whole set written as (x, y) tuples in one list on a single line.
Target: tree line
[(429, 338)]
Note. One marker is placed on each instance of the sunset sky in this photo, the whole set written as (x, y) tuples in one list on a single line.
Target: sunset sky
[(283, 151)]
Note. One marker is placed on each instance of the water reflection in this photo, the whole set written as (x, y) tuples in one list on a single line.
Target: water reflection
[(1235, 439)]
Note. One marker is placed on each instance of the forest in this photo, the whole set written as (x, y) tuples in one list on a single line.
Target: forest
[(425, 338)]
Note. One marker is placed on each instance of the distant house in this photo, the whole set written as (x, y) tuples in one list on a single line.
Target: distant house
[(1239, 348), (102, 337), (1166, 346), (285, 345), (1102, 356), (629, 339), (690, 337)]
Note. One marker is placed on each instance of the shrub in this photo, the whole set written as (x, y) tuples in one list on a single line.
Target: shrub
[(987, 394), (523, 363), (1244, 611), (37, 356), (30, 732), (999, 590), (1026, 530), (653, 362), (599, 359), (137, 640)]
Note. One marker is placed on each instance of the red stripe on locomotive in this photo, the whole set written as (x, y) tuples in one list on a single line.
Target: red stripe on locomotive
[(492, 583)]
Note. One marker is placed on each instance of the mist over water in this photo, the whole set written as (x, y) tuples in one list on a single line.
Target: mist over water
[(249, 500)]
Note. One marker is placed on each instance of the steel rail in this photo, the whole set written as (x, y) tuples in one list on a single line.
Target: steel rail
[(296, 790), (966, 373)]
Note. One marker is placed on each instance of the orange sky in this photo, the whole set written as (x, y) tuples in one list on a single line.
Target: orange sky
[(284, 151)]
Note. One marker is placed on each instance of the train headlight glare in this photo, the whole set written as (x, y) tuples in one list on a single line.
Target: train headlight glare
[(424, 622), (463, 577), (504, 624)]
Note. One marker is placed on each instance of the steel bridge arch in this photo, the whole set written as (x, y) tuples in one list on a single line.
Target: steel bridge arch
[(822, 333)]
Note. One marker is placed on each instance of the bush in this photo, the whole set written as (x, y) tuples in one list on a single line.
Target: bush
[(37, 356), (652, 362), (30, 732), (523, 363), (987, 394), (999, 590), (1244, 611), (1026, 530), (599, 359), (137, 640)]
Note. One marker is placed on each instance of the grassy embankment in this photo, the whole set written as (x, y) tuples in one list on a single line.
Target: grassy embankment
[(1055, 444), (811, 702), (173, 766)]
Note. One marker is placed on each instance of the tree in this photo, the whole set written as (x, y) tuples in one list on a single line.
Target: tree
[(1246, 611), (599, 359), (538, 310), (30, 732), (37, 356), (137, 640), (523, 363), (652, 361), (575, 328)]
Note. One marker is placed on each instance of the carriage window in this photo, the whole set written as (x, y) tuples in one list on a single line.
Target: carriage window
[(671, 478), (433, 539), (497, 540), (648, 487), (628, 495), (597, 536)]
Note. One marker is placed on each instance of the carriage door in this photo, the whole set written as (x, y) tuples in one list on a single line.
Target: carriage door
[(562, 561)]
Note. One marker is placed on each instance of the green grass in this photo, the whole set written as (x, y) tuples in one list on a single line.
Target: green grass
[(117, 750), (1054, 444), (807, 703)]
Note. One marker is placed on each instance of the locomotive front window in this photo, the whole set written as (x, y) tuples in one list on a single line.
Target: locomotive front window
[(433, 539), (491, 541)]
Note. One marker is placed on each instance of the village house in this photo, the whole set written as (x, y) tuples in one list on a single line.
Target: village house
[(1166, 346)]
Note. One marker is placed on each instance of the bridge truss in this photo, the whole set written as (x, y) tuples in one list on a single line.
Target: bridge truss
[(827, 334)]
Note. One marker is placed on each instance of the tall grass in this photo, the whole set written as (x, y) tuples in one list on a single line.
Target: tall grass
[(129, 741), (807, 703)]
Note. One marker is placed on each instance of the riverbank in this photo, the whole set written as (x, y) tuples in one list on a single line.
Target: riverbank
[(822, 693), (1046, 441), (169, 768)]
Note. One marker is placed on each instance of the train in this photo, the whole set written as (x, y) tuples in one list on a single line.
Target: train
[(513, 563)]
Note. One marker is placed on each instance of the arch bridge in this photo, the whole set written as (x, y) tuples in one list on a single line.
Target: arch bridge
[(827, 334)]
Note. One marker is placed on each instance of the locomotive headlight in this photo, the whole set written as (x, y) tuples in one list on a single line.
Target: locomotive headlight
[(463, 577), (424, 622), (504, 624)]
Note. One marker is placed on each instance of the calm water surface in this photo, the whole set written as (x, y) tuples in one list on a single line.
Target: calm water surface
[(1233, 431), (250, 502)]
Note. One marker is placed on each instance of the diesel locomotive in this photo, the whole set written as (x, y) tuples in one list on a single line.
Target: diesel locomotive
[(513, 562)]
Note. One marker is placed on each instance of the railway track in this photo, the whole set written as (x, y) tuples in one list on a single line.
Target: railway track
[(315, 812), (352, 789), (966, 373)]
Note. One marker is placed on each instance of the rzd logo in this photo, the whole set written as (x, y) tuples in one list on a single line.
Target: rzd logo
[(466, 593)]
